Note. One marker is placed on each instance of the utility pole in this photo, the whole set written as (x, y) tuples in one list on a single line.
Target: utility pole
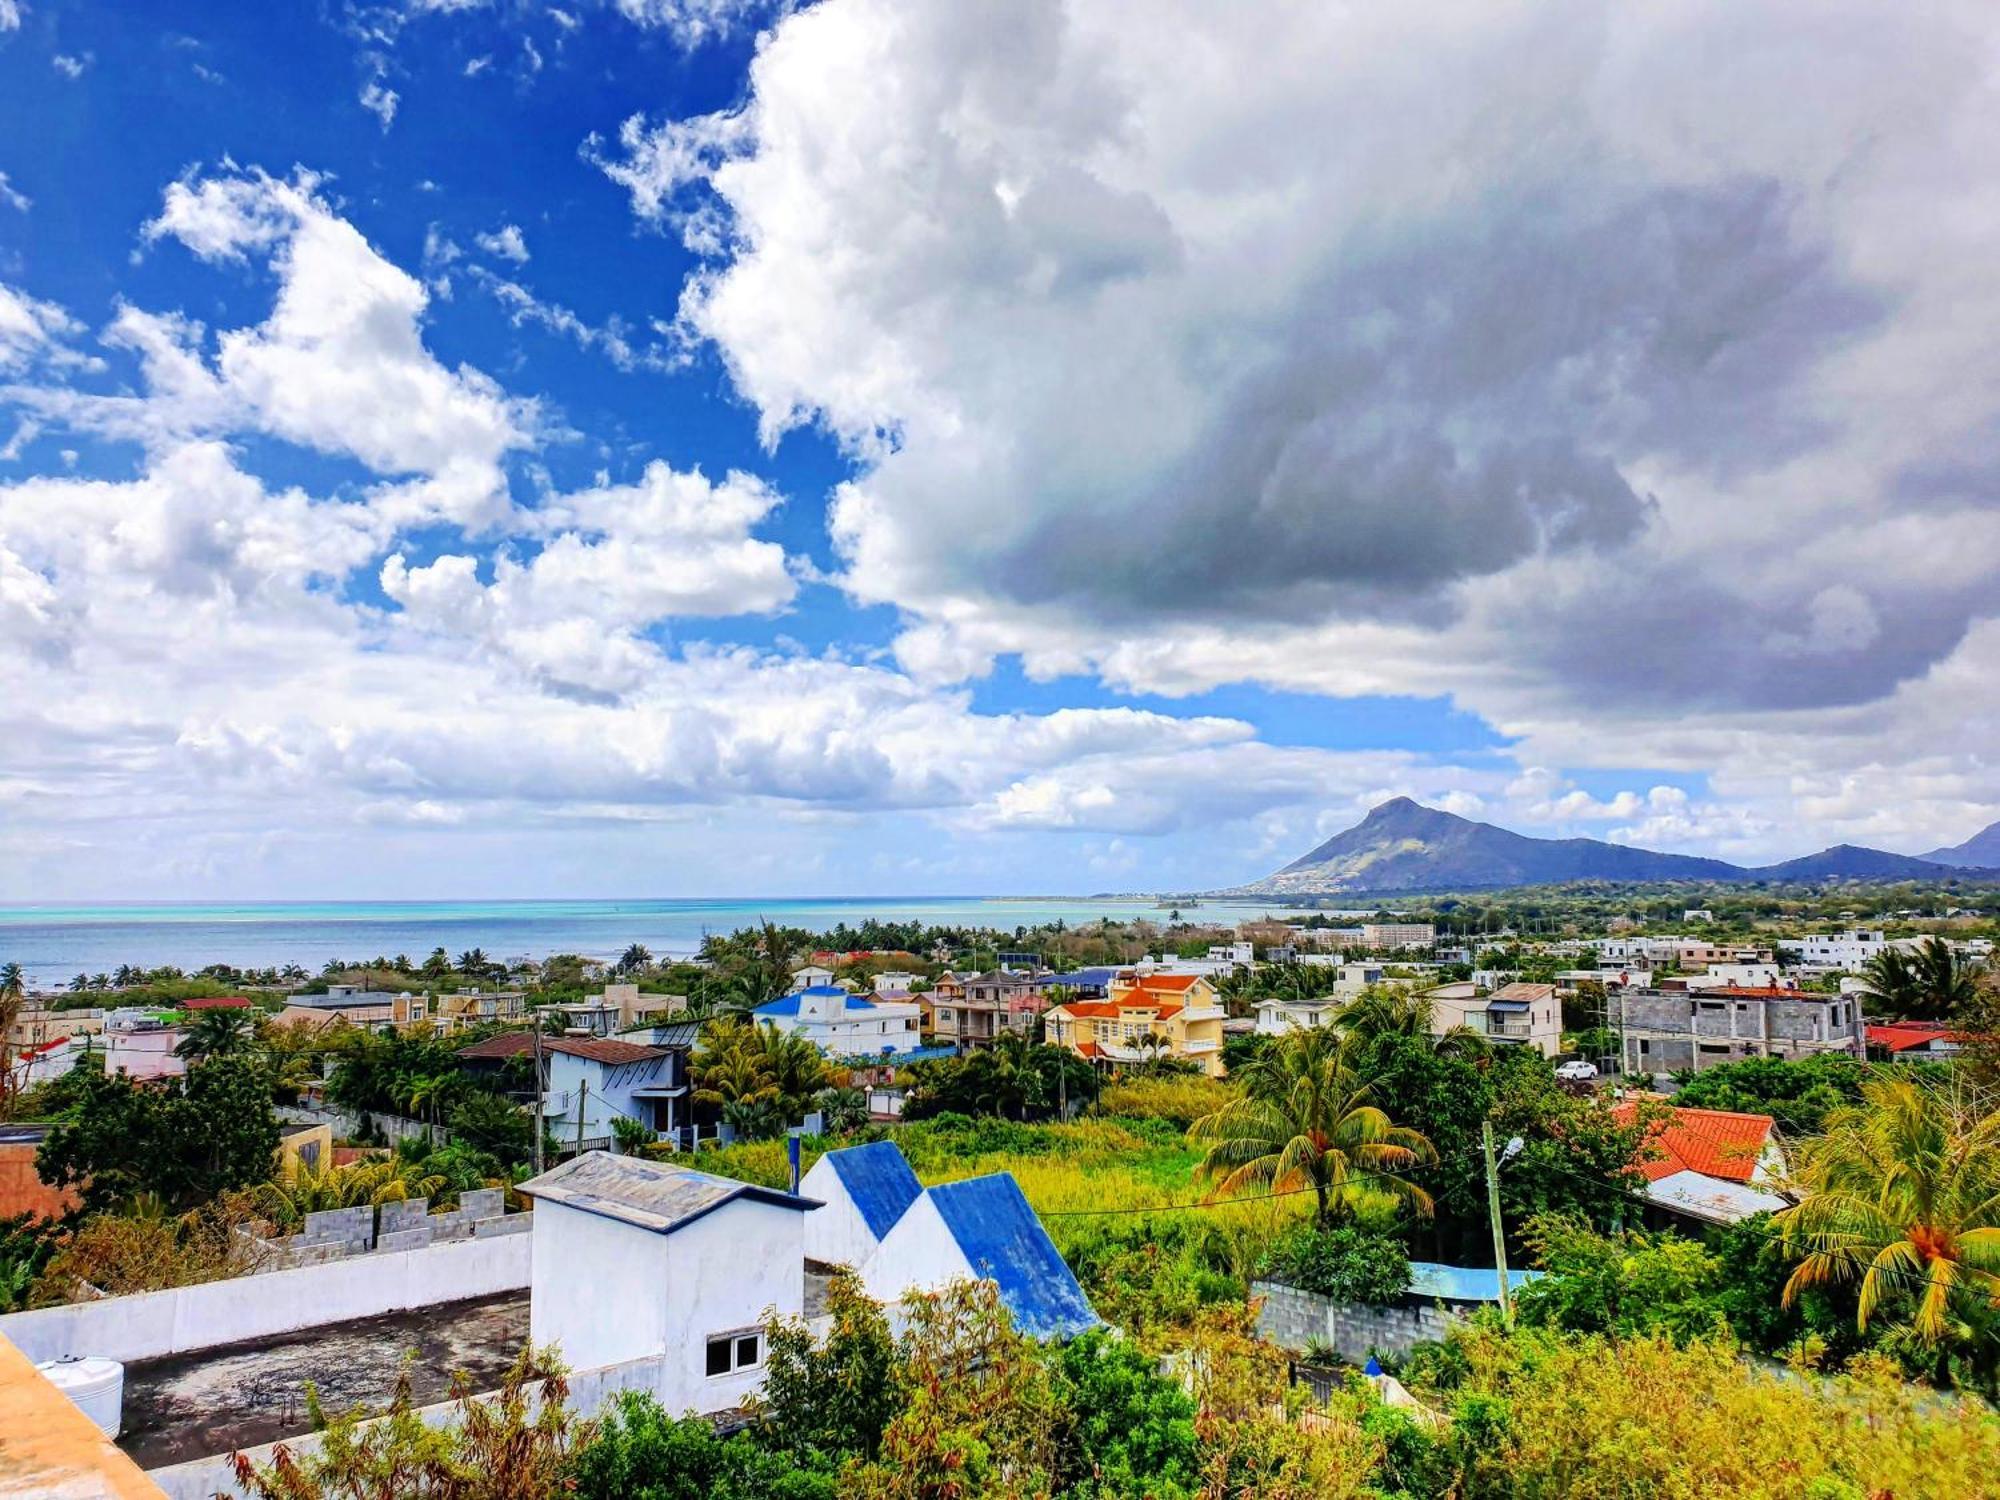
[(541, 1124), (1499, 1234), (583, 1098)]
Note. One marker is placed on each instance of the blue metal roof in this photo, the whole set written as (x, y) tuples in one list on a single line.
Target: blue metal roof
[(879, 1181), (788, 1005), (1462, 1283), (889, 1055), (1002, 1239)]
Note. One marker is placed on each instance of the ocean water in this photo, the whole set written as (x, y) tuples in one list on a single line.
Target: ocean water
[(53, 942)]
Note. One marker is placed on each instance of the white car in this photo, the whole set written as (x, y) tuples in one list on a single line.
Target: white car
[(1576, 1070)]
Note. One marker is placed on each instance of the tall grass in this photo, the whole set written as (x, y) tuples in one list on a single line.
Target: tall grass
[(1118, 1197)]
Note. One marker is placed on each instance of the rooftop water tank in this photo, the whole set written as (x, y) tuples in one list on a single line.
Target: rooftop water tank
[(96, 1385)]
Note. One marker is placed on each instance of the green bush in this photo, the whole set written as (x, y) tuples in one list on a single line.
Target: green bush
[(1345, 1264), (1133, 1430), (641, 1453)]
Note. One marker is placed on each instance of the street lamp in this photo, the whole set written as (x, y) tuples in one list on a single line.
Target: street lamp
[(1493, 1166)]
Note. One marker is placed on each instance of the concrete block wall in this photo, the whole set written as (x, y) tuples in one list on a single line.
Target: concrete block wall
[(407, 1225), (1293, 1320)]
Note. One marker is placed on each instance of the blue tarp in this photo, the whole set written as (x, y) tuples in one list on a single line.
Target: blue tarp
[(1462, 1283), (1002, 1239), (879, 1181)]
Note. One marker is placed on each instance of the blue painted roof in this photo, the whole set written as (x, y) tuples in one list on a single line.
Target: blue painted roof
[(1094, 978), (879, 1181), (1462, 1283), (788, 1005), (886, 1055), (1002, 1239)]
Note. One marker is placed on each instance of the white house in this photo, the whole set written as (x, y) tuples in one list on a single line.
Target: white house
[(895, 984), (1276, 1017), (1841, 950), (809, 977), (644, 1261), (606, 1078), (844, 1025), (981, 1229), (863, 1192)]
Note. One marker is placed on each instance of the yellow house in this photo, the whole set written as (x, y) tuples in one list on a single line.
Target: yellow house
[(1172, 1015)]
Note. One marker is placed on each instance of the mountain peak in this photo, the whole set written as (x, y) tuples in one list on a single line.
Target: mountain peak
[(1401, 845)]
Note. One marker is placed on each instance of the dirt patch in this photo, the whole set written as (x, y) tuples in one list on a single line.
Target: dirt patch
[(239, 1395)]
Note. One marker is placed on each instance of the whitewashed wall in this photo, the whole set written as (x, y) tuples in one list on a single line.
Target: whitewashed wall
[(835, 1232), (249, 1307), (918, 1253), (730, 1270), (600, 1287)]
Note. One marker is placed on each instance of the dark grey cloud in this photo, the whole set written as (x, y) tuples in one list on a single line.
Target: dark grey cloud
[(1449, 400)]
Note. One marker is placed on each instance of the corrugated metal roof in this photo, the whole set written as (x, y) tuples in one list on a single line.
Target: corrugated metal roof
[(602, 1050), (654, 1195), (879, 1181), (1002, 1239)]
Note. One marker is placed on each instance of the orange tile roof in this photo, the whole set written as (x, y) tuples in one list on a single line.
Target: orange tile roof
[(1900, 1036), (1112, 1010), (1714, 1142), (1172, 983)]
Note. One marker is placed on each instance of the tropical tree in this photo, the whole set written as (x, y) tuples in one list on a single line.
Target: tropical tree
[(13, 994), (1930, 984), (218, 1032), (369, 1183), (634, 959), (79, 984), (1304, 1120), (842, 1111), (1390, 1010), (472, 962), (1903, 1197)]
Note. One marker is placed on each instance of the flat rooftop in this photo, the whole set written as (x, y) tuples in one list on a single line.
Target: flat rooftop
[(234, 1396)]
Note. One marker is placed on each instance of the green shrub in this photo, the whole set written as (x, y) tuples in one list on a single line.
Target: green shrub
[(1345, 1264), (1133, 1430), (641, 1453)]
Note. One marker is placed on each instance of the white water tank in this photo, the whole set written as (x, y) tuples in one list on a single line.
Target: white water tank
[(96, 1385)]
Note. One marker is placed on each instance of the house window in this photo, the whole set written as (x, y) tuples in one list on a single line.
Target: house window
[(729, 1353)]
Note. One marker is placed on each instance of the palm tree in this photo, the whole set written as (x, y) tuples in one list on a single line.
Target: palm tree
[(100, 981), (218, 1033), (13, 993), (634, 959), (1304, 1121), (472, 961), (79, 984), (729, 1065), (1384, 1010), (1903, 1194)]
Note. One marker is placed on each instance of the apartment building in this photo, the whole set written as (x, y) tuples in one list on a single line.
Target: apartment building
[(1528, 1015), (975, 1011), (1388, 937), (1840, 950), (1668, 1031), (1145, 1016)]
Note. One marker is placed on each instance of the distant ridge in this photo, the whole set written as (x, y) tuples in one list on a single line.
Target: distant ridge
[(1981, 851), (1404, 846)]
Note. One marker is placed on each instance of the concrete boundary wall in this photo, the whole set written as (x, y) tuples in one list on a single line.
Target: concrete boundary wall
[(1293, 1320), (589, 1392), (183, 1319)]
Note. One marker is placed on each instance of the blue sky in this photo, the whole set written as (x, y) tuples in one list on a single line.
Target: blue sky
[(460, 448)]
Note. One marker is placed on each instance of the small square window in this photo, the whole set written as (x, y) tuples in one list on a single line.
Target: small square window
[(731, 1353)]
